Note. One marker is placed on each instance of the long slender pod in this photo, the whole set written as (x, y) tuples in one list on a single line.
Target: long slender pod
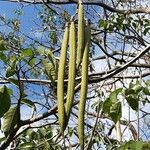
[(60, 83), (72, 69), (84, 86), (81, 23)]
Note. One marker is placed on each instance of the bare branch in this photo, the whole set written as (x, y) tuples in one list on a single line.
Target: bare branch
[(126, 65), (96, 3)]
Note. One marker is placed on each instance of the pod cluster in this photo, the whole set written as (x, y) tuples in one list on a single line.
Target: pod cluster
[(78, 46)]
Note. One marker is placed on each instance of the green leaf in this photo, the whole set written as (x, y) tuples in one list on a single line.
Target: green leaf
[(28, 132), (106, 106), (129, 91), (146, 30), (53, 37), (137, 87), (111, 100), (132, 145), (2, 45), (31, 62), (28, 103), (146, 146), (103, 23), (114, 94), (51, 58), (2, 139), (33, 135), (70, 131), (42, 132), (50, 70), (3, 57), (133, 102), (10, 119), (11, 70), (14, 81), (49, 132), (45, 145), (116, 111), (28, 52), (146, 91), (148, 82), (27, 145), (4, 100)]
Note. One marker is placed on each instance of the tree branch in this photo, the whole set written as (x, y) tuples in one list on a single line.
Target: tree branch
[(96, 3), (126, 65)]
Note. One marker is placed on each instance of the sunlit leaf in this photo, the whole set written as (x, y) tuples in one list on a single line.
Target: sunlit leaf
[(28, 52), (27, 145), (137, 87), (10, 119), (50, 70), (2, 45), (114, 94), (31, 62)]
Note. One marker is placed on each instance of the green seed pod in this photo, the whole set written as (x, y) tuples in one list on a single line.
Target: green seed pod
[(80, 47), (60, 83), (84, 87), (72, 69)]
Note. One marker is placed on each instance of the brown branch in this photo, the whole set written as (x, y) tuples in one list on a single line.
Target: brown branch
[(52, 111), (91, 76), (131, 128), (96, 3), (104, 51), (9, 138), (116, 53), (123, 67), (118, 70), (123, 122)]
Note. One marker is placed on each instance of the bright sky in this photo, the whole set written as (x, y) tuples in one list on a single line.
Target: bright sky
[(29, 13)]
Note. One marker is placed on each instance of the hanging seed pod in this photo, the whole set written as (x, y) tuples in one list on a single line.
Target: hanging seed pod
[(80, 47), (60, 83), (84, 85), (72, 69)]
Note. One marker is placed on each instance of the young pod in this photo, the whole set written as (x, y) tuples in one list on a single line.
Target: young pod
[(84, 87), (81, 23), (72, 69), (60, 83)]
